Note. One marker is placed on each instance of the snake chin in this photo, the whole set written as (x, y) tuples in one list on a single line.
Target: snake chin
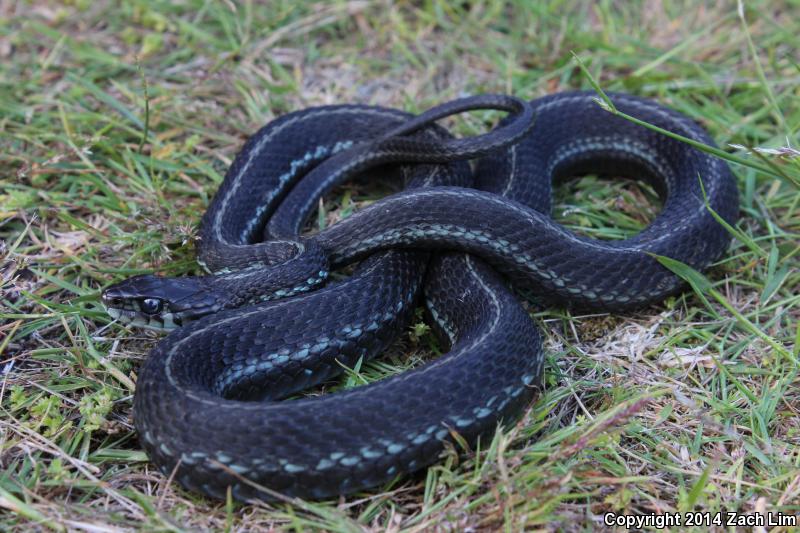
[(163, 323)]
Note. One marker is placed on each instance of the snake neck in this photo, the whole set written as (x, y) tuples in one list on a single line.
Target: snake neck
[(262, 281)]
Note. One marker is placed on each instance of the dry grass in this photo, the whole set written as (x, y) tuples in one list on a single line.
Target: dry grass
[(117, 122)]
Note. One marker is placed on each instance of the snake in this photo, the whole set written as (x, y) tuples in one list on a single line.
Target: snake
[(219, 404)]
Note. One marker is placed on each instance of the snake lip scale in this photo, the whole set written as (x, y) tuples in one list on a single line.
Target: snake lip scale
[(266, 322)]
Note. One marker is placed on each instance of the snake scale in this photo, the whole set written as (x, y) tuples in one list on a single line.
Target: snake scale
[(266, 323)]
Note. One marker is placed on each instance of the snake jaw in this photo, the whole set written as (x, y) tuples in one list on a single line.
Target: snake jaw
[(161, 304)]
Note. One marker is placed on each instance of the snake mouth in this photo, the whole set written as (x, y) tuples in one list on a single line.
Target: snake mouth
[(126, 315)]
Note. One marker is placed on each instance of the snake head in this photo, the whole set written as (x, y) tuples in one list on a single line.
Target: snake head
[(159, 303)]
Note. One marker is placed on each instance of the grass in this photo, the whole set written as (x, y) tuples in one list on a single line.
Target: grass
[(118, 120)]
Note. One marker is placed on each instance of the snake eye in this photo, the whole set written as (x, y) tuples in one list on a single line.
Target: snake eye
[(151, 306)]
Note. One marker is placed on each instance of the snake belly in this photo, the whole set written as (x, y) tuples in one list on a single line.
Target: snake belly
[(194, 407)]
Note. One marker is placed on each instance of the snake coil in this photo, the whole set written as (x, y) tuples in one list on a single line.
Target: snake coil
[(265, 324)]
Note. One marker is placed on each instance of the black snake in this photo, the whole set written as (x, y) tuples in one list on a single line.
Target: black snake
[(254, 332)]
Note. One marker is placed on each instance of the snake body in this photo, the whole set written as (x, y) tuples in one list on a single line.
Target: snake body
[(266, 325)]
